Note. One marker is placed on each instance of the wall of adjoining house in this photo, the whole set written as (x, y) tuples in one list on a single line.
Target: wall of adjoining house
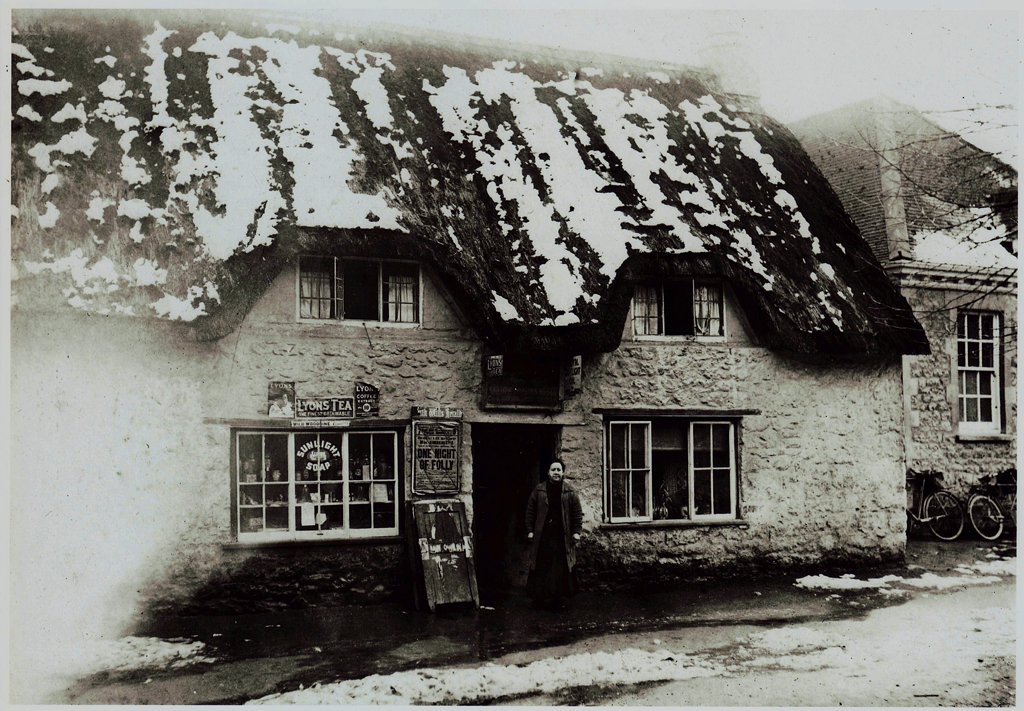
[(934, 442), (140, 415)]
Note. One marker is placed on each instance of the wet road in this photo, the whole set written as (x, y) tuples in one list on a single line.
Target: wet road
[(282, 651)]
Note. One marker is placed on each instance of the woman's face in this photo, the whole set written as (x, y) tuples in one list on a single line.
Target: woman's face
[(555, 472)]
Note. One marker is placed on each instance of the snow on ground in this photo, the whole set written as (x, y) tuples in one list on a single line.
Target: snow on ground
[(979, 573), (469, 684)]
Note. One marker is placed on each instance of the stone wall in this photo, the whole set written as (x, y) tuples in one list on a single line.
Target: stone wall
[(931, 385), (137, 494)]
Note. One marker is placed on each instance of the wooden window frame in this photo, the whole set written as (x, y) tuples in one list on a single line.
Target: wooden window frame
[(338, 282), (659, 289), (734, 471), (292, 534), (979, 427)]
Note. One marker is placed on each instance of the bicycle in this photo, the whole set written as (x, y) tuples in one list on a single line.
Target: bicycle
[(983, 504), (930, 504)]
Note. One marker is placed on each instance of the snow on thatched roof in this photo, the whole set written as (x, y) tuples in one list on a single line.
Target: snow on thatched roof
[(163, 166)]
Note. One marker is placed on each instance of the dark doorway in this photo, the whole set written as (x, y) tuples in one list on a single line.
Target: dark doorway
[(508, 461)]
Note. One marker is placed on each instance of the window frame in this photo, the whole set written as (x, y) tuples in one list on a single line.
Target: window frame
[(381, 306), (610, 479), (659, 287), (735, 488), (979, 427), (293, 535)]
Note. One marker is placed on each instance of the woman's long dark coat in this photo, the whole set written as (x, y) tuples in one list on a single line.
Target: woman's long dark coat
[(572, 519)]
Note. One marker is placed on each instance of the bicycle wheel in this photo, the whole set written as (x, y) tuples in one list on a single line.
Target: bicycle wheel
[(985, 516), (944, 515)]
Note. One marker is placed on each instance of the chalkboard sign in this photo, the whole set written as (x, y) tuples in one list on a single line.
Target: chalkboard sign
[(442, 547)]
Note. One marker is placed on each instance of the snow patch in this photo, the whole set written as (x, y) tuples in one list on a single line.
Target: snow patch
[(51, 181), (26, 111), (177, 309), (43, 87), (49, 218), (77, 142), (70, 112), (492, 681), (108, 60), (112, 88), (96, 207), (505, 309), (975, 242), (147, 273)]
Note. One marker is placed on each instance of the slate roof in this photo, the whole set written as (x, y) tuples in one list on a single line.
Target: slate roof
[(959, 201), (163, 165)]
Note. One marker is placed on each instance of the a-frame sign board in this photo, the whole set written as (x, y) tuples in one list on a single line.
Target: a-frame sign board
[(442, 548)]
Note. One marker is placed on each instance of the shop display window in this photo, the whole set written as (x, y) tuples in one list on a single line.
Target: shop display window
[(299, 485)]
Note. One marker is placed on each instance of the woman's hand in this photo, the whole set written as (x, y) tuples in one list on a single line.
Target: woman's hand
[(529, 535), (576, 536)]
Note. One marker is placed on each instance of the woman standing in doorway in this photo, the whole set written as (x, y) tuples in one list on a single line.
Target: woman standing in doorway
[(554, 522)]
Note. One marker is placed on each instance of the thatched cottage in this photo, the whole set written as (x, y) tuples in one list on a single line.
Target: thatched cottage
[(250, 260), (940, 215)]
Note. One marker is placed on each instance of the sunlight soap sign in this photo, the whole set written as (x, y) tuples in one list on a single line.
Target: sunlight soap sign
[(435, 457)]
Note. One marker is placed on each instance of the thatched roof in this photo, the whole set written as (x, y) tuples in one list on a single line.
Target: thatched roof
[(168, 166)]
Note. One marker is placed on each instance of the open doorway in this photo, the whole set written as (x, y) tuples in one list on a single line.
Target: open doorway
[(508, 461)]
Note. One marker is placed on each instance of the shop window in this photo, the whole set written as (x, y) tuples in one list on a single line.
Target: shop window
[(679, 308), (301, 485), (671, 469), (331, 288), (978, 361)]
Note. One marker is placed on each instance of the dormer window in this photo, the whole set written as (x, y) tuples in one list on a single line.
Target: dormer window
[(683, 307), (332, 288)]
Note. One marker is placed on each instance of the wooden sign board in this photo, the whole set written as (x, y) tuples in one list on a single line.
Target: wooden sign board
[(442, 545)]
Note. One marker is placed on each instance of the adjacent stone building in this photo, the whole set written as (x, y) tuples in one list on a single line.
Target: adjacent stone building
[(941, 216), (271, 287)]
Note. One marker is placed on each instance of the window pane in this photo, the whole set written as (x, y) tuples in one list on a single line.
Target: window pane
[(971, 383), (318, 457), (250, 454), (973, 354), (318, 292), (701, 492), (961, 325), (678, 308), (361, 289), (973, 330), (359, 457), (638, 446), (277, 516), (618, 445), (275, 458), (638, 503), (985, 409), (707, 299), (360, 516), (383, 456), (722, 494), (972, 409), (986, 355), (963, 409), (985, 383), (720, 445), (646, 310), (401, 287), (620, 492), (961, 354), (987, 325), (701, 445)]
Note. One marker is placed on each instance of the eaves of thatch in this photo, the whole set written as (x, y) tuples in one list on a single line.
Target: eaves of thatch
[(166, 166)]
